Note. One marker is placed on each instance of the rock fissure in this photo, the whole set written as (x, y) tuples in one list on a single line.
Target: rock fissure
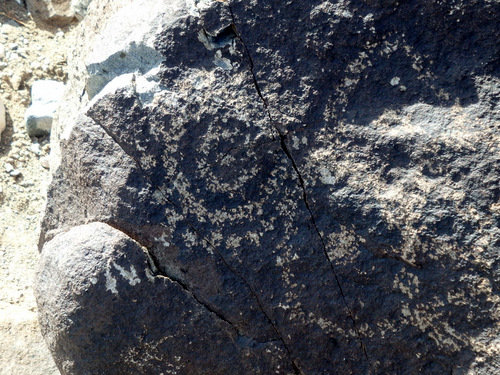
[(156, 270), (282, 139), (259, 303), (215, 250)]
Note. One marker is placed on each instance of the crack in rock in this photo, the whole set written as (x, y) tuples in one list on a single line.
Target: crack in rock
[(155, 271), (282, 138), (214, 248)]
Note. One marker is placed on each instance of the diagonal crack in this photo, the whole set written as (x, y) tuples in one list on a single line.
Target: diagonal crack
[(156, 271), (282, 139), (214, 249)]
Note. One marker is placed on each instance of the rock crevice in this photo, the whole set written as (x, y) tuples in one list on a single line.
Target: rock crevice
[(282, 141)]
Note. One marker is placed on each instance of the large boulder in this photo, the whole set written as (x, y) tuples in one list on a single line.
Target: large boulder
[(301, 187)]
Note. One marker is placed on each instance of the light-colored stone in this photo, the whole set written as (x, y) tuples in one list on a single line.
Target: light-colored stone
[(16, 80), (118, 51), (8, 167), (45, 162), (45, 97), (58, 12), (79, 8), (97, 57), (9, 27), (15, 173)]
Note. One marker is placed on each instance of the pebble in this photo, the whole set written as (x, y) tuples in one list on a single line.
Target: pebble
[(12, 56), (9, 27), (2, 51), (15, 173), (8, 167), (35, 148), (36, 65), (45, 162), (16, 82)]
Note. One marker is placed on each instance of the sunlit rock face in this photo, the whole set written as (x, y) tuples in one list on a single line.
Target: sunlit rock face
[(289, 187)]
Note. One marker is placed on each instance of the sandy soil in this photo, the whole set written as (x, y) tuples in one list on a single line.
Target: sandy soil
[(30, 52)]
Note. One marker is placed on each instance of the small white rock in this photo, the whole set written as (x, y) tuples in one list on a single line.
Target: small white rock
[(45, 162), (35, 148), (9, 27), (395, 81), (8, 167), (15, 173), (45, 96), (16, 82), (12, 56), (35, 64)]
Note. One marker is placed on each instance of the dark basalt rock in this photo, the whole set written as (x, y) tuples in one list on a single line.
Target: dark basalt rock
[(315, 185)]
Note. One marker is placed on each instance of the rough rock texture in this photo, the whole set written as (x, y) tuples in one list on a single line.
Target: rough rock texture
[(86, 265), (311, 178)]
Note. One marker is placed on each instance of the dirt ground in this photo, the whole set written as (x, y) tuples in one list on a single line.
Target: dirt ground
[(28, 52)]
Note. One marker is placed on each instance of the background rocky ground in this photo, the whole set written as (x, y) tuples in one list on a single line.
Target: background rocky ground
[(28, 52)]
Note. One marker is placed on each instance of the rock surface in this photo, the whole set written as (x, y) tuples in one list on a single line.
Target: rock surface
[(85, 265), (315, 179)]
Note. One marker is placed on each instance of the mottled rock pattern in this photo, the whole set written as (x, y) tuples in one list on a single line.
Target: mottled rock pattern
[(321, 177), (86, 265)]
